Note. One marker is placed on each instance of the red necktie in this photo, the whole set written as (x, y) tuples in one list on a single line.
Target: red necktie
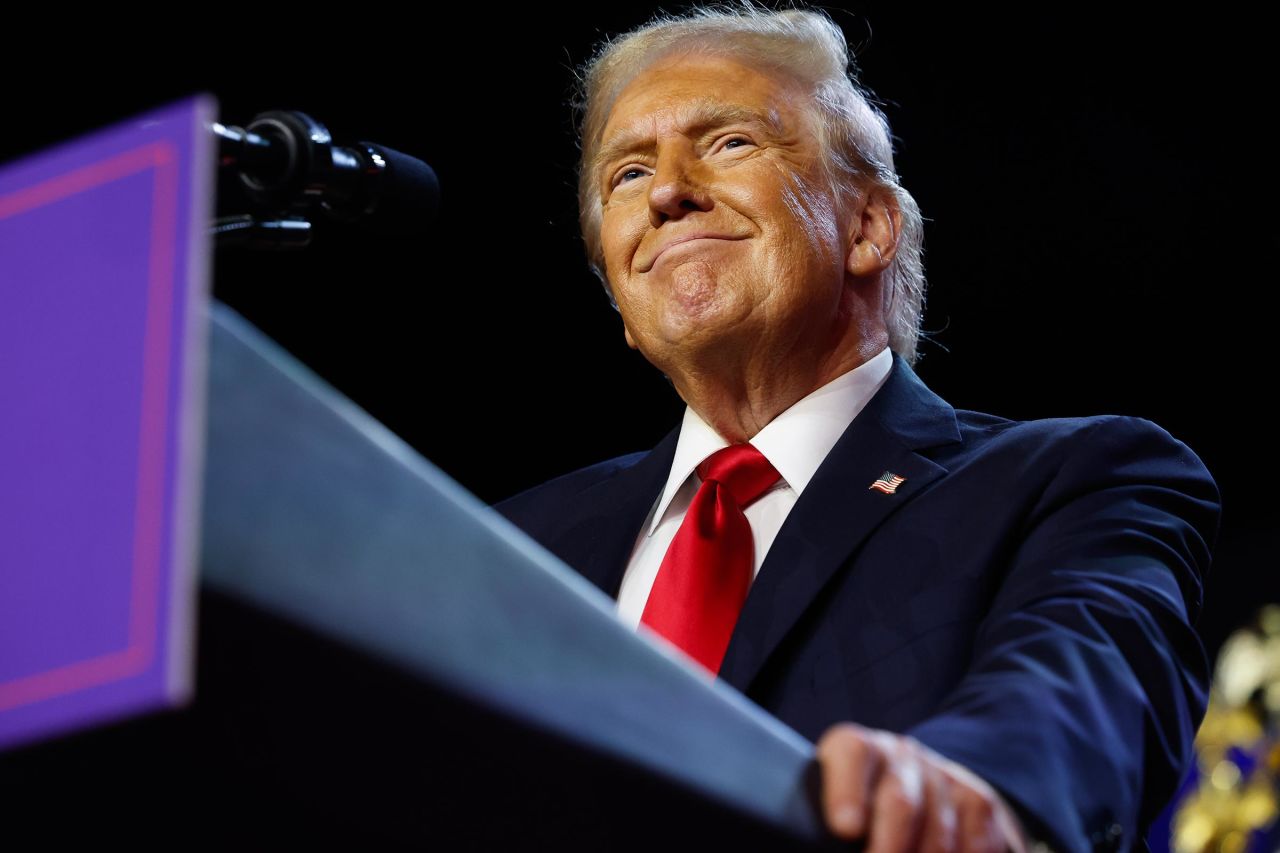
[(706, 572)]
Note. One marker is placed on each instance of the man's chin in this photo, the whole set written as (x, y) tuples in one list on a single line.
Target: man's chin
[(690, 345)]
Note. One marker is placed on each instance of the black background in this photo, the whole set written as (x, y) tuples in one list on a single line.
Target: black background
[(1093, 236)]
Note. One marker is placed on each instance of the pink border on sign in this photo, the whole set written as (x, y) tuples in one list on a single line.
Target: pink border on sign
[(148, 518)]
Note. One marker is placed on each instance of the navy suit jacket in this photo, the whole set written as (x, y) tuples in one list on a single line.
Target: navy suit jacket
[(1023, 604)]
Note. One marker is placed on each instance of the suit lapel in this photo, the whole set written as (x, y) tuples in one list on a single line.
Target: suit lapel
[(615, 509), (838, 510)]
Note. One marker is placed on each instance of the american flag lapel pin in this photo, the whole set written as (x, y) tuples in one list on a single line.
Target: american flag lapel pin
[(888, 482)]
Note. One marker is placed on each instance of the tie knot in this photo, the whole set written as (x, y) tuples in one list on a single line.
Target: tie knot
[(742, 470)]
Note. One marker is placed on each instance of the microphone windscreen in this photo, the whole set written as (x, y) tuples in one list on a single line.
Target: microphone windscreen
[(408, 193)]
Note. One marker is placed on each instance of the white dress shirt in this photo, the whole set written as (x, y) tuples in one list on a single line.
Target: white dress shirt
[(795, 443)]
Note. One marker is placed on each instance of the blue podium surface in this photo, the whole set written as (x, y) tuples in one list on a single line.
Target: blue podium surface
[(315, 512)]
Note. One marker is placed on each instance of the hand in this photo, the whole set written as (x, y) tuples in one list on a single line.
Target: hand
[(902, 796)]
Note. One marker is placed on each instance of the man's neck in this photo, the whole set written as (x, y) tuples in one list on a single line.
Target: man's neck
[(737, 403)]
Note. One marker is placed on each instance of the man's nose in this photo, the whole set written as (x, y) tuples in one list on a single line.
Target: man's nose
[(679, 186)]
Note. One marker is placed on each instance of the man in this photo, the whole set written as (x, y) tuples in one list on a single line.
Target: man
[(984, 624)]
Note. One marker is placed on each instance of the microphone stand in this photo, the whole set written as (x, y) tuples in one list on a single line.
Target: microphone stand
[(288, 164)]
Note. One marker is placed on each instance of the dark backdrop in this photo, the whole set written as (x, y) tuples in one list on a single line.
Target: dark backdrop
[(1086, 179)]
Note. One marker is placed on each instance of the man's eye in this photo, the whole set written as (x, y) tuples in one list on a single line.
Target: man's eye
[(628, 175), (735, 141)]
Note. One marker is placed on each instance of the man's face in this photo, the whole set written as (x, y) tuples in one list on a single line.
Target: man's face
[(720, 236)]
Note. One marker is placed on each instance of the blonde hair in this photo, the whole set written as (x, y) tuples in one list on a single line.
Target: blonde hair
[(809, 47)]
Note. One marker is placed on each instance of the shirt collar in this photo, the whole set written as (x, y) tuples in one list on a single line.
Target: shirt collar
[(795, 442)]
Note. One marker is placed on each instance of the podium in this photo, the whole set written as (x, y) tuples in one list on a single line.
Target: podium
[(380, 659), (383, 659)]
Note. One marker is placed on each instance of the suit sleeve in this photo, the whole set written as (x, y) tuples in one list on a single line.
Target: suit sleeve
[(1088, 680)]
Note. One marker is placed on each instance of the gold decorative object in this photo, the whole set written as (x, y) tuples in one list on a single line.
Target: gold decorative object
[(1234, 807)]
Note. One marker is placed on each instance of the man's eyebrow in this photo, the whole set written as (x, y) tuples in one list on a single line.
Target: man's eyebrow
[(696, 118)]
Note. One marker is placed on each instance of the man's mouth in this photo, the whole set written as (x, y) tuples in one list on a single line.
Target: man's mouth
[(681, 241)]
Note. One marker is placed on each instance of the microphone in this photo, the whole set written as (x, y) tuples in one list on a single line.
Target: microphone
[(287, 162)]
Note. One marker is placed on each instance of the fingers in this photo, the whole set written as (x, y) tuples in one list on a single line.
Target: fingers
[(851, 763), (901, 796), (873, 786), (978, 829), (985, 820), (900, 806), (940, 821)]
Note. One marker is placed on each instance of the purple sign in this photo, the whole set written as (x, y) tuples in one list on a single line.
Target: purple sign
[(104, 278)]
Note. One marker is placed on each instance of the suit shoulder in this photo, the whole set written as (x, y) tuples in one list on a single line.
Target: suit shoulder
[(1086, 451), (985, 421), (1065, 433), (1130, 449), (992, 433)]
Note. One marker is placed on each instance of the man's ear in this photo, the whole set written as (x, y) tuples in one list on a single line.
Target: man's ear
[(631, 342), (877, 227)]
